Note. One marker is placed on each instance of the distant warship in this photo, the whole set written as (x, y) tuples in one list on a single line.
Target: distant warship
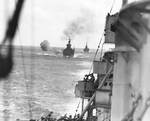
[(68, 51), (44, 45), (86, 49)]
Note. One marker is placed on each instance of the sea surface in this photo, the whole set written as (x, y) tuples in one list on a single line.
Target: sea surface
[(41, 82)]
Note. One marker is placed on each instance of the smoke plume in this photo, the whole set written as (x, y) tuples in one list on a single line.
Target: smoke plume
[(82, 25)]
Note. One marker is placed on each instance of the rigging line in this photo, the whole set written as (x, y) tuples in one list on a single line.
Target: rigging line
[(32, 49), (97, 51), (112, 6), (24, 69), (109, 13), (101, 41), (25, 74), (22, 51), (101, 52), (23, 62), (103, 31), (99, 45), (22, 55), (32, 60)]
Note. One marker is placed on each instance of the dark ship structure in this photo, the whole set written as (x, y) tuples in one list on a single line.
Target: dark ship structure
[(86, 49), (68, 51), (44, 45)]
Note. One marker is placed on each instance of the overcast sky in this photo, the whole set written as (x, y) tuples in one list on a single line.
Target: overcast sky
[(52, 20)]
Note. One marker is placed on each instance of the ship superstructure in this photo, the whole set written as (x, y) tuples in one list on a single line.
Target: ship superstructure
[(68, 51), (121, 90), (86, 49)]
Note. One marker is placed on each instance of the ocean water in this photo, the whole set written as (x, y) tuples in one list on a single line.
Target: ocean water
[(41, 82)]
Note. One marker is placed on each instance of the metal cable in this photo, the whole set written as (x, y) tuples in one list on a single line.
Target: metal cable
[(112, 6), (96, 51), (32, 61), (100, 42), (27, 84)]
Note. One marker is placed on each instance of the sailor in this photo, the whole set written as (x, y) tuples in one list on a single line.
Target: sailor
[(70, 118), (92, 78), (78, 116), (42, 118), (86, 77)]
